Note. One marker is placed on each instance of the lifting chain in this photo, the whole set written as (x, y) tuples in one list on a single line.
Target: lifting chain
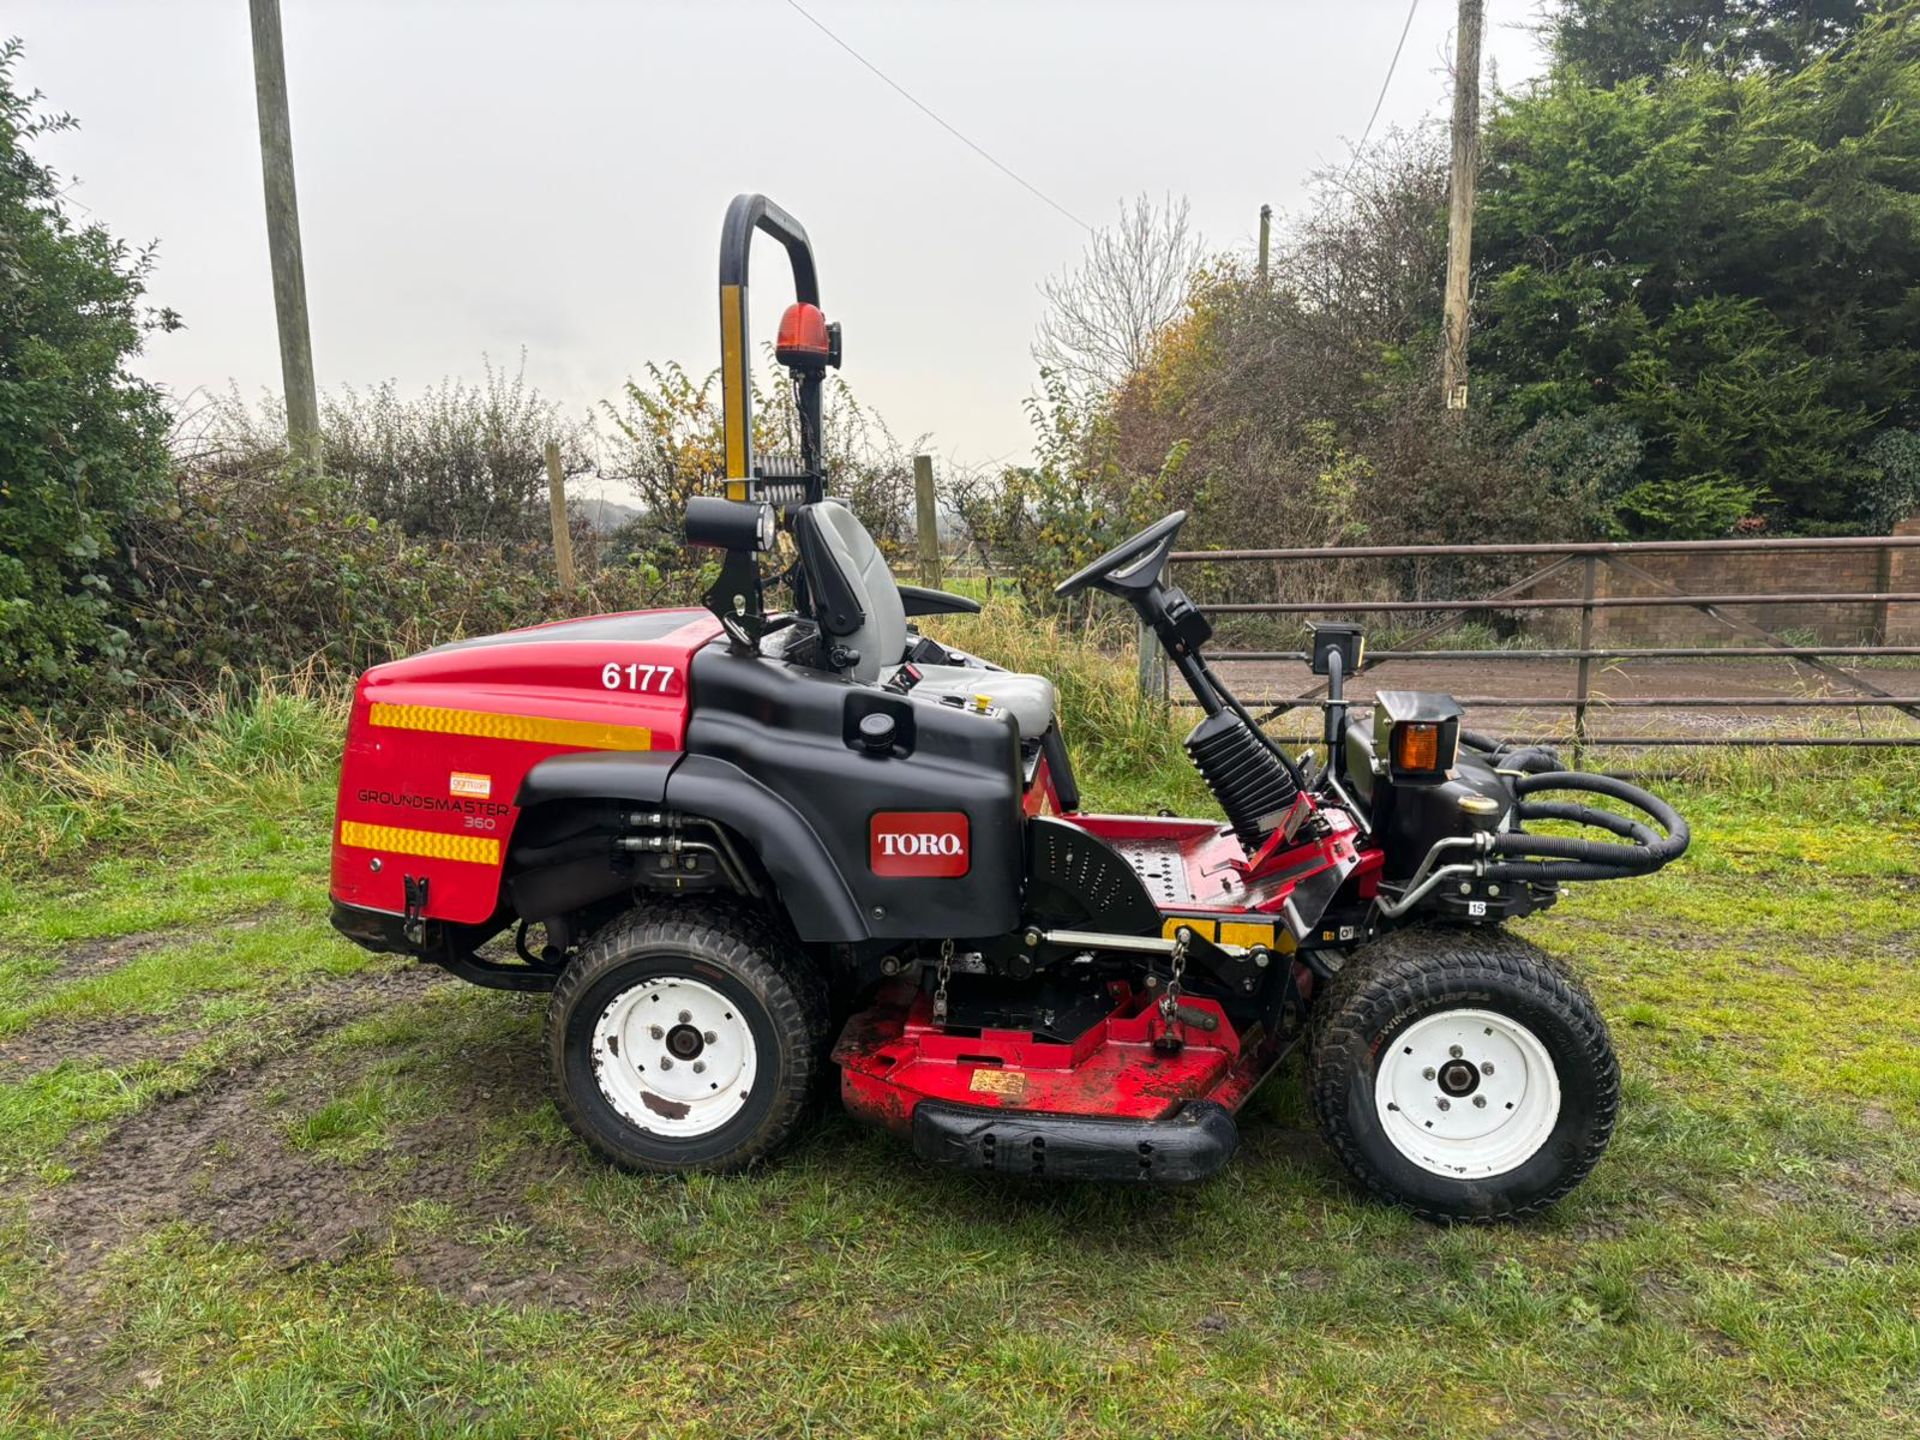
[(941, 976), (1170, 997)]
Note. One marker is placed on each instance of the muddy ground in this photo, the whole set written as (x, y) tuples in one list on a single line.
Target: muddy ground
[(223, 1157)]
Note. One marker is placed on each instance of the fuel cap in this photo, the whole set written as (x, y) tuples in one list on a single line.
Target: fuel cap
[(876, 733)]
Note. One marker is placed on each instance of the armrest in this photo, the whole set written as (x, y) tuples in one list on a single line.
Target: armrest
[(918, 600)]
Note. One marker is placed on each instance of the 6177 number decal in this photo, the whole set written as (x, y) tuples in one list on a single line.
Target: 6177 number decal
[(616, 676)]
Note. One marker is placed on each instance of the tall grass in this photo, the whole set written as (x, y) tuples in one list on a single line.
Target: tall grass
[(273, 746)]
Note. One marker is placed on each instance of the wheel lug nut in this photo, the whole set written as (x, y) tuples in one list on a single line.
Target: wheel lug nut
[(1446, 1104), (1428, 1073), (685, 1016), (1479, 1101), (1454, 1051), (700, 1068), (657, 1032), (711, 1038), (1486, 1068), (666, 1062)]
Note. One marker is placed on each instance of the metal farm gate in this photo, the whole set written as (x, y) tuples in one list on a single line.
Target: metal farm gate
[(1589, 574)]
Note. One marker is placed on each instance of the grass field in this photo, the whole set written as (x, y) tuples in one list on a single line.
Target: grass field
[(256, 1182)]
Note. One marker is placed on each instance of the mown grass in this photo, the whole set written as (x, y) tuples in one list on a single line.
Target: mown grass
[(1745, 1262)]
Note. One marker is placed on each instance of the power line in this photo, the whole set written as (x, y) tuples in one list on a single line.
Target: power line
[(904, 94), (1392, 66)]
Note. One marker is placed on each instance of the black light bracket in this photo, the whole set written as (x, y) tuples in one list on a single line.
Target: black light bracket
[(737, 599), (1338, 648), (742, 530), (1344, 638)]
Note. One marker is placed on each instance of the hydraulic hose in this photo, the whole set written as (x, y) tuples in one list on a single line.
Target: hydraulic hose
[(1528, 759), (1622, 825), (1550, 858)]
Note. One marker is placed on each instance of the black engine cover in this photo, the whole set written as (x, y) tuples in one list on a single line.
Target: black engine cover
[(796, 733)]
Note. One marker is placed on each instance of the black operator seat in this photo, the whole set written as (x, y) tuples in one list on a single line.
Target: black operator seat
[(863, 612)]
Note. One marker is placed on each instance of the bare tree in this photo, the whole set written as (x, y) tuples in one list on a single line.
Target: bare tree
[(1102, 315)]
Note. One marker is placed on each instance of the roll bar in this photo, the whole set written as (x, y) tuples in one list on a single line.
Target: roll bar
[(746, 214)]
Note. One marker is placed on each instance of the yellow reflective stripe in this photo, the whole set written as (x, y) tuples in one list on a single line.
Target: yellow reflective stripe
[(432, 844), (735, 394), (533, 729)]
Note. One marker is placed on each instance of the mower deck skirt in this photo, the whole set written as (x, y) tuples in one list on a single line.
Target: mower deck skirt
[(1188, 1145), (1112, 1103)]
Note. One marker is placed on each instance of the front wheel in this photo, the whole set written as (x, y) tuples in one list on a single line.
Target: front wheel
[(685, 1037), (1463, 1074)]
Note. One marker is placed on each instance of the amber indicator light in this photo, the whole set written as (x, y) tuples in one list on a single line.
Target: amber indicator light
[(1416, 746)]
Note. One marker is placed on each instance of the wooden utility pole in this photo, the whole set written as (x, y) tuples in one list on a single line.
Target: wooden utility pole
[(1266, 227), (927, 515), (557, 512), (1466, 162), (283, 231)]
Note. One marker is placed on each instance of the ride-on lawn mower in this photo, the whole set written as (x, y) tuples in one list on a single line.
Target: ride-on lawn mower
[(728, 835)]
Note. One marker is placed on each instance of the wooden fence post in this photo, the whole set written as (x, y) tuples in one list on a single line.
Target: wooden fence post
[(557, 510), (1881, 624), (927, 521)]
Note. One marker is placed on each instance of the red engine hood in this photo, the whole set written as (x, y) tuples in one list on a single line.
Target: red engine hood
[(566, 654), (439, 742)]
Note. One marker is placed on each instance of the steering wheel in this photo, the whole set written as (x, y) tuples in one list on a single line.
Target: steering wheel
[(1132, 565)]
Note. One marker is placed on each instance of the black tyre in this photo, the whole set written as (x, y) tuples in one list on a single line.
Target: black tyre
[(1462, 1073), (685, 1036)]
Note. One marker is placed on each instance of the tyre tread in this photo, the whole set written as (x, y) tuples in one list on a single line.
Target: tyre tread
[(1424, 963), (739, 940)]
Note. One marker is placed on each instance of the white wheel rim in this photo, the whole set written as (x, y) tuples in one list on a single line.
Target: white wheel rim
[(674, 1057), (1467, 1093)]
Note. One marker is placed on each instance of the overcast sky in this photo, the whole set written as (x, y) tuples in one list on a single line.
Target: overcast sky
[(478, 178)]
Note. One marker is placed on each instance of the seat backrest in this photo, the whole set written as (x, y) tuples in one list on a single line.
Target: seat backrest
[(830, 533)]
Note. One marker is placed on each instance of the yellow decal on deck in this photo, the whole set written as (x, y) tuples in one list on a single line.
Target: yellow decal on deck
[(1011, 1083), (585, 734), (433, 844), (1245, 933)]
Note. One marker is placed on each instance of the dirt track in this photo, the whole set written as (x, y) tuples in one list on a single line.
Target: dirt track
[(218, 1155)]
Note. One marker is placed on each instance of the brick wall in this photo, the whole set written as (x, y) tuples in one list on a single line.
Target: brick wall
[(1903, 577)]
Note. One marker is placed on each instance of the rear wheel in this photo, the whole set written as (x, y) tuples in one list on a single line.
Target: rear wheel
[(685, 1036), (1463, 1074)]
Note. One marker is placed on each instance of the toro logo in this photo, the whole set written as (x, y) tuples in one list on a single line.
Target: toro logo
[(919, 844)]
